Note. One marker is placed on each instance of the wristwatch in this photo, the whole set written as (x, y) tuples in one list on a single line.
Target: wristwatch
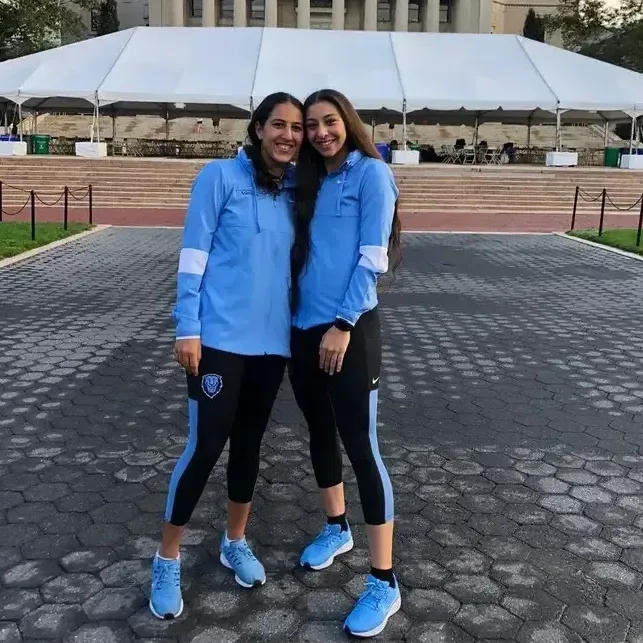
[(342, 324)]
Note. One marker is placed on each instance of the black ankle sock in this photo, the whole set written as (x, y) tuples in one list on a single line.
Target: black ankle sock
[(339, 520), (384, 574)]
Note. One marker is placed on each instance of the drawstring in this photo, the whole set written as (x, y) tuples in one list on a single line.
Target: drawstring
[(255, 204)]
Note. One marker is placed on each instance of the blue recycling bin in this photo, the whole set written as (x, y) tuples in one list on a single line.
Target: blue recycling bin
[(384, 150), (9, 137)]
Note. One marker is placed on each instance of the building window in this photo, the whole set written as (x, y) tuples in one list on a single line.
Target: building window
[(227, 9), (257, 10), (384, 11), (414, 11), (196, 8)]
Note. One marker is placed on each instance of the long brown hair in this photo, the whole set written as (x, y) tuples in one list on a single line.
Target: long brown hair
[(311, 171)]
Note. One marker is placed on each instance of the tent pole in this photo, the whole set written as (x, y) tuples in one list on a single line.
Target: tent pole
[(606, 133), (529, 134), (97, 123), (404, 123), (373, 128), (558, 131), (20, 120), (475, 134), (167, 124), (632, 132)]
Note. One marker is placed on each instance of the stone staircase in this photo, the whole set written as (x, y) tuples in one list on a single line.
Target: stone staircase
[(438, 189), (140, 127)]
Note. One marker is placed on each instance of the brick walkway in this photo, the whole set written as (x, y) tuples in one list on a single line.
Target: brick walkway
[(447, 222), (512, 401)]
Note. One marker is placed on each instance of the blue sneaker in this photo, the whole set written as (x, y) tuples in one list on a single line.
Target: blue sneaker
[(330, 542), (166, 601), (237, 556), (375, 605)]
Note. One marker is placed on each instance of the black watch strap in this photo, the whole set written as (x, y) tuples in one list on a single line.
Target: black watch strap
[(342, 324)]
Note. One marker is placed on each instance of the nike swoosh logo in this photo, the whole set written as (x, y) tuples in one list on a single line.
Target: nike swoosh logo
[(376, 380)]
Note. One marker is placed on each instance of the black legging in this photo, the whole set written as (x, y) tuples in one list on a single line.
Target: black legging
[(231, 397), (346, 403)]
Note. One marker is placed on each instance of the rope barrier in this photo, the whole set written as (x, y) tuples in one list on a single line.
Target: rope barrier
[(13, 214), (77, 194), (624, 208), (605, 199)]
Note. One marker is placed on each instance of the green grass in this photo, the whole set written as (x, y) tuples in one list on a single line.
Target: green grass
[(16, 237), (624, 239)]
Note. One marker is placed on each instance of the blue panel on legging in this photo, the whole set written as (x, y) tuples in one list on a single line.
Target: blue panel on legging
[(389, 508), (184, 460)]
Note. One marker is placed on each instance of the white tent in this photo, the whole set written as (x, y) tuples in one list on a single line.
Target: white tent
[(224, 71)]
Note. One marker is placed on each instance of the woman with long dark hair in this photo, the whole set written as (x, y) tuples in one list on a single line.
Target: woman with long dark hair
[(347, 235), (232, 333)]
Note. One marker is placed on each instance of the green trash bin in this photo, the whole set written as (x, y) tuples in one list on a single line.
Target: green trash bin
[(40, 143), (612, 157)]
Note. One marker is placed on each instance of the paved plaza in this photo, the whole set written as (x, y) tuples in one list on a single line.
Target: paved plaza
[(512, 400)]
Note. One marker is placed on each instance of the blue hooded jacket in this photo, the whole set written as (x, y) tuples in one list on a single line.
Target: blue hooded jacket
[(349, 236), (233, 286)]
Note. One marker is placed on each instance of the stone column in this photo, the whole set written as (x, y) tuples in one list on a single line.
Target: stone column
[(339, 11), (240, 15), (401, 22), (178, 13), (303, 14), (431, 17), (271, 18), (485, 17), (461, 16), (209, 18), (370, 15)]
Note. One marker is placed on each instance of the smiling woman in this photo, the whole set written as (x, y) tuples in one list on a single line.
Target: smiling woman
[(232, 333), (347, 213)]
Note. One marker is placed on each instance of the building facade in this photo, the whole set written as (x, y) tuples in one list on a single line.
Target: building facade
[(450, 16)]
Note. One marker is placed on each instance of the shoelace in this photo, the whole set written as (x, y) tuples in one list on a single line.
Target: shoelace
[(240, 552), (374, 594), (328, 533), (167, 575)]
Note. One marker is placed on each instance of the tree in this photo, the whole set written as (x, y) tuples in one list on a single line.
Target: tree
[(623, 46), (534, 28), (608, 32), (28, 26), (581, 21), (107, 19)]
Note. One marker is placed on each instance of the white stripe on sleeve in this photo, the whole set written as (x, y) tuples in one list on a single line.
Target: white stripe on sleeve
[(193, 261), (374, 258)]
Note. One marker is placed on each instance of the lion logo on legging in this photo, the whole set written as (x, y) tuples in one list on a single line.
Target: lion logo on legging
[(211, 385)]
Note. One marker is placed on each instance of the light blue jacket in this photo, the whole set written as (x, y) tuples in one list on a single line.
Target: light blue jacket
[(350, 232), (233, 286)]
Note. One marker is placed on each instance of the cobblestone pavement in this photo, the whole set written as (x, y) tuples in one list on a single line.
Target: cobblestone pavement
[(512, 400)]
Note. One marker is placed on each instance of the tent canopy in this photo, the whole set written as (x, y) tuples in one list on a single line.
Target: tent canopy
[(224, 71)]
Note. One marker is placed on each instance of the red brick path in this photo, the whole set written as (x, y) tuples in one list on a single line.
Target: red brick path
[(447, 222)]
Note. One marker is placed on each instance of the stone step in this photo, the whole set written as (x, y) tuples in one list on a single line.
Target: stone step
[(165, 184)]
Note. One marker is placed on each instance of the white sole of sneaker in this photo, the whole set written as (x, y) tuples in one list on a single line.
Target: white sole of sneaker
[(344, 549), (167, 617), (380, 628), (224, 561)]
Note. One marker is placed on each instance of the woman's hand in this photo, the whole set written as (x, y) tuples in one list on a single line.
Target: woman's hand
[(332, 350), (188, 354)]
